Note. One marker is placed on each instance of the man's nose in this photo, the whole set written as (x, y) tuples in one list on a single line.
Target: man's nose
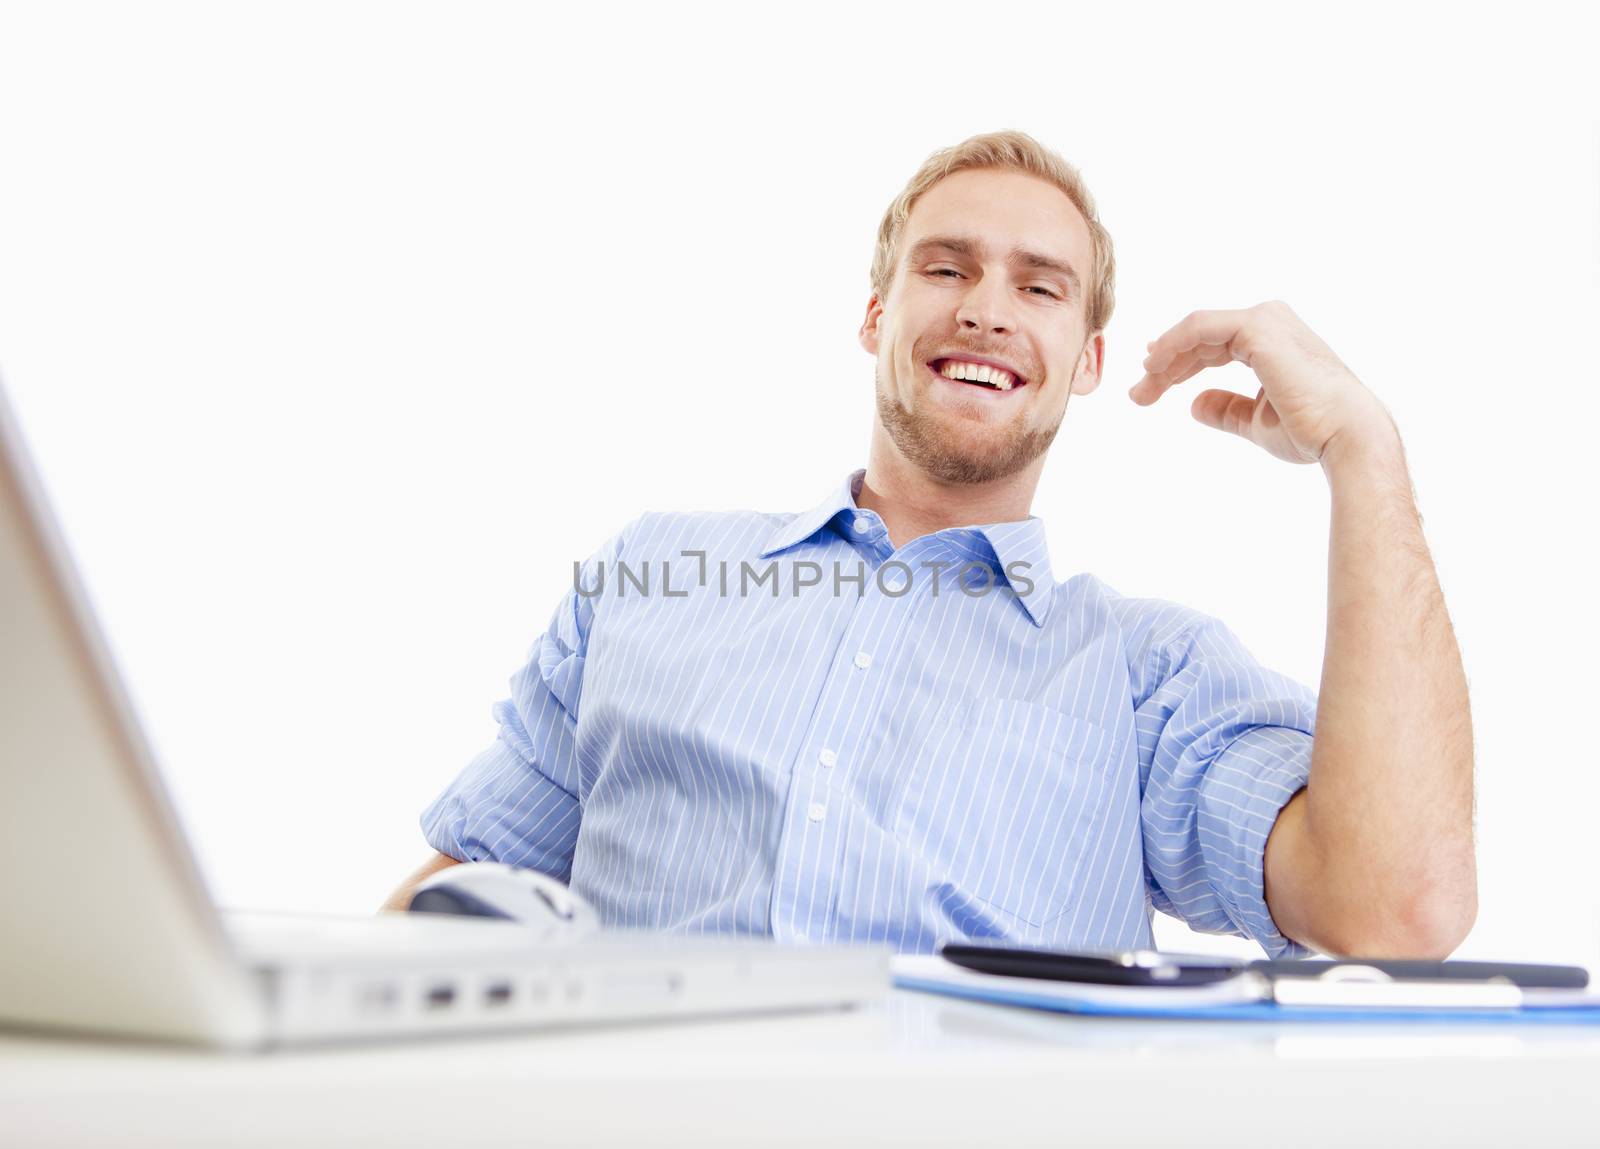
[(987, 307)]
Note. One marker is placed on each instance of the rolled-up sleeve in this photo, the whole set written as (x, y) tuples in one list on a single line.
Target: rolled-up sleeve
[(519, 801), (1223, 745)]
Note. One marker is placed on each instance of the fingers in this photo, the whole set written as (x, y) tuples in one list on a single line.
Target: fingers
[(1202, 339), (1224, 410), (1185, 365), (1152, 387), (1198, 328)]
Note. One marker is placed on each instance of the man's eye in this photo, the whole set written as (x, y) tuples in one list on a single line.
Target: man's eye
[(952, 271)]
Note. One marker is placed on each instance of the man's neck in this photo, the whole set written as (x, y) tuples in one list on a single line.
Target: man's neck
[(913, 503)]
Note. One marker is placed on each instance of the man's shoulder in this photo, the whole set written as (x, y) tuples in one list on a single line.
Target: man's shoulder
[(1147, 623)]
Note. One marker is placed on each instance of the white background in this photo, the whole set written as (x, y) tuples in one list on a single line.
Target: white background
[(340, 331)]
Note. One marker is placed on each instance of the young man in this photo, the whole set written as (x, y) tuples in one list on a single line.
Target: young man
[(884, 719)]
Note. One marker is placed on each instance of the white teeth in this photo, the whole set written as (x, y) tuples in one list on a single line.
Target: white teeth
[(997, 378)]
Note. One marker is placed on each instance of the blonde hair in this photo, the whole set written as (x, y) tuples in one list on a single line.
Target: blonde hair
[(1014, 151)]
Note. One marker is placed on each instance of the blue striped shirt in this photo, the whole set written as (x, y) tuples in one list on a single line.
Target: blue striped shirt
[(778, 724)]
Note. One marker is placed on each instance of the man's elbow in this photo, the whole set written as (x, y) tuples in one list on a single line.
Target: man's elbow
[(1426, 922)]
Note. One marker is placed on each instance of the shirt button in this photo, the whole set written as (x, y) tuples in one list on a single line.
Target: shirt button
[(827, 758), (816, 811), (863, 659), (862, 525)]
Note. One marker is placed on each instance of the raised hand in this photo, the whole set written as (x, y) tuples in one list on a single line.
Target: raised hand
[(1309, 401)]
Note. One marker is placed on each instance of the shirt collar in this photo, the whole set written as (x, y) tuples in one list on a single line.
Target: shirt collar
[(1015, 544), (840, 500)]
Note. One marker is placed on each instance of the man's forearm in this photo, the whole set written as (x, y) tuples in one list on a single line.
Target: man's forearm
[(1386, 847)]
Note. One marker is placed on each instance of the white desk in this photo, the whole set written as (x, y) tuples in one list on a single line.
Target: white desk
[(917, 1070)]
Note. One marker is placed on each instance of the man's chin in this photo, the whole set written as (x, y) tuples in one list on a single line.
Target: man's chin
[(953, 448), (960, 456)]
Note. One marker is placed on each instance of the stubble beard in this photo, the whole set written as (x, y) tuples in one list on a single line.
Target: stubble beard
[(926, 445)]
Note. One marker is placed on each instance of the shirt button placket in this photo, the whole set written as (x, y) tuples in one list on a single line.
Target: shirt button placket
[(827, 756)]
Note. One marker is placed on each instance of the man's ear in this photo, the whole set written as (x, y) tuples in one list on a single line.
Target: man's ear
[(869, 326), (1086, 377)]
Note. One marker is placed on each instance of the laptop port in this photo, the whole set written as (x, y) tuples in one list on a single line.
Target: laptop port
[(497, 993), (440, 997)]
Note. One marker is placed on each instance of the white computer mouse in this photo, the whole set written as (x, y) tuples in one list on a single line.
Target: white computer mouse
[(495, 890)]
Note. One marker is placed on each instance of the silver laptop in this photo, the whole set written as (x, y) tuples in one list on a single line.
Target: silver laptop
[(106, 923)]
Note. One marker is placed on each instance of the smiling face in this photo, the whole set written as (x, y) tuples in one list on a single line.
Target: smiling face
[(983, 336)]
